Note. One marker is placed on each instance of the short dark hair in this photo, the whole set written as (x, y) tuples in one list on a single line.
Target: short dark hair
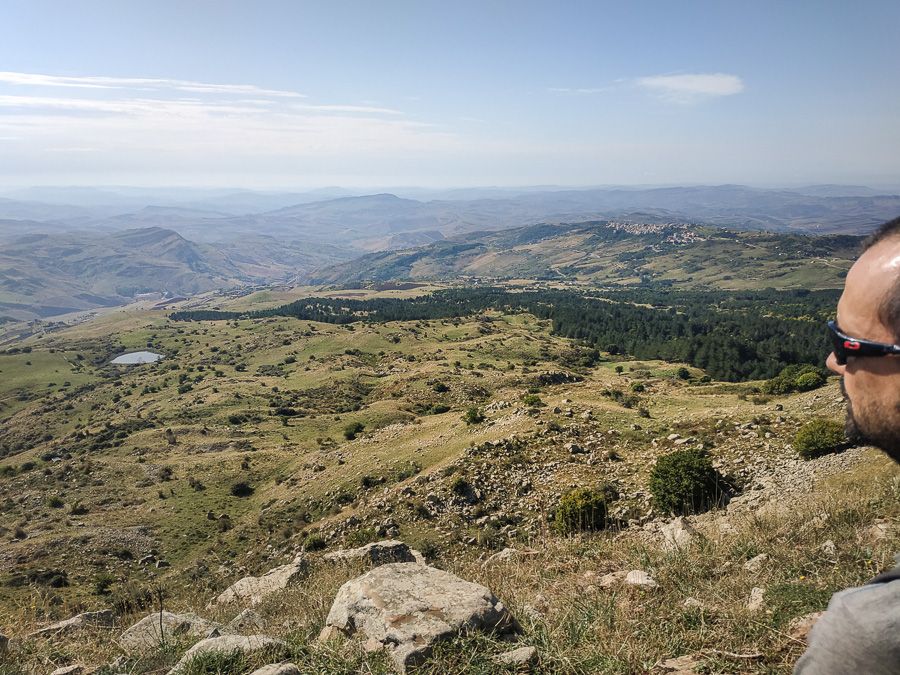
[(885, 231), (889, 309)]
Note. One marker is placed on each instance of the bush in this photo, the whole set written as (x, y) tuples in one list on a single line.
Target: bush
[(795, 378), (352, 429), (685, 482), (582, 509), (809, 381), (313, 542), (242, 489), (820, 437), (473, 415)]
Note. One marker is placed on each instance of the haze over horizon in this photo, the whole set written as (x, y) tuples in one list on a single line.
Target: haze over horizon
[(285, 95)]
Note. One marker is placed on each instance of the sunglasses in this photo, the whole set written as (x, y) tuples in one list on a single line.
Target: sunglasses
[(845, 346)]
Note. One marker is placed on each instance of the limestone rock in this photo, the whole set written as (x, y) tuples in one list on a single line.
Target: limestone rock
[(505, 556), (146, 633), (677, 534), (69, 670), (689, 664), (406, 608), (640, 579), (828, 547), (277, 669), (611, 580), (521, 657), (375, 554), (799, 627), (101, 618), (247, 619), (228, 644), (756, 563), (253, 590), (757, 599)]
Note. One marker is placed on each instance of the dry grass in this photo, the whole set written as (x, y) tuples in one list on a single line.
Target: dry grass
[(581, 628)]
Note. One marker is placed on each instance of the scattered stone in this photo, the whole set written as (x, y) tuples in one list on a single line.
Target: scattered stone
[(876, 532), (677, 534), (253, 590), (612, 579), (228, 644), (277, 669), (756, 563), (505, 556), (146, 634), (828, 548), (375, 554), (799, 627), (247, 619), (692, 603), (757, 599), (574, 448), (101, 618), (537, 608), (69, 670), (521, 657), (405, 608), (689, 664), (640, 579)]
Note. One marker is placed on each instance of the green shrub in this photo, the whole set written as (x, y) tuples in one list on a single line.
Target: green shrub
[(582, 509), (809, 381), (532, 400), (473, 415), (314, 542), (241, 489), (352, 429), (820, 437), (685, 482), (54, 502), (795, 378)]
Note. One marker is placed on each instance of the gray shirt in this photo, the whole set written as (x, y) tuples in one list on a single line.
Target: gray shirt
[(860, 632)]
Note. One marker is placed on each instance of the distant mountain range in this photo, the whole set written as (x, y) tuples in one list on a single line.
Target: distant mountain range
[(48, 274), (105, 245)]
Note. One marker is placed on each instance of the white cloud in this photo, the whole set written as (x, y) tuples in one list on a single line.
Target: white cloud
[(94, 82), (130, 126), (691, 88), (581, 90)]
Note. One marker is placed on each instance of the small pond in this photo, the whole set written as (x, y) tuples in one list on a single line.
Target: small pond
[(135, 358)]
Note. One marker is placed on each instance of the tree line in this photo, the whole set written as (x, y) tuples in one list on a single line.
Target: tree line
[(733, 336)]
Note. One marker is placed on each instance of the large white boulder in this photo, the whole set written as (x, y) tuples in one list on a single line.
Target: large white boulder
[(159, 627), (253, 590), (405, 608)]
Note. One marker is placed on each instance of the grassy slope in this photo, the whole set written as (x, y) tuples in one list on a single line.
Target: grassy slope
[(294, 474)]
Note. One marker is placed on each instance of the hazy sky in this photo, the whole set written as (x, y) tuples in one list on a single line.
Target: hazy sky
[(271, 94)]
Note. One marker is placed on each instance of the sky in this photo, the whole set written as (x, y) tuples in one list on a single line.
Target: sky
[(294, 94)]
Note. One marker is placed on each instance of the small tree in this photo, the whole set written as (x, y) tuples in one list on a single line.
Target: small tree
[(473, 415), (820, 437), (352, 429), (685, 481), (582, 509)]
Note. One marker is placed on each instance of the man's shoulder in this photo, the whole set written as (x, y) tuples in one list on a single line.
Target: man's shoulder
[(860, 632)]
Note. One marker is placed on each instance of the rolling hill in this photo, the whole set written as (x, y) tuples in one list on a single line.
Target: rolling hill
[(616, 252)]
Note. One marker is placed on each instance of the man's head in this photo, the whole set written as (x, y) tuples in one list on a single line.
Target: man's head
[(869, 309)]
